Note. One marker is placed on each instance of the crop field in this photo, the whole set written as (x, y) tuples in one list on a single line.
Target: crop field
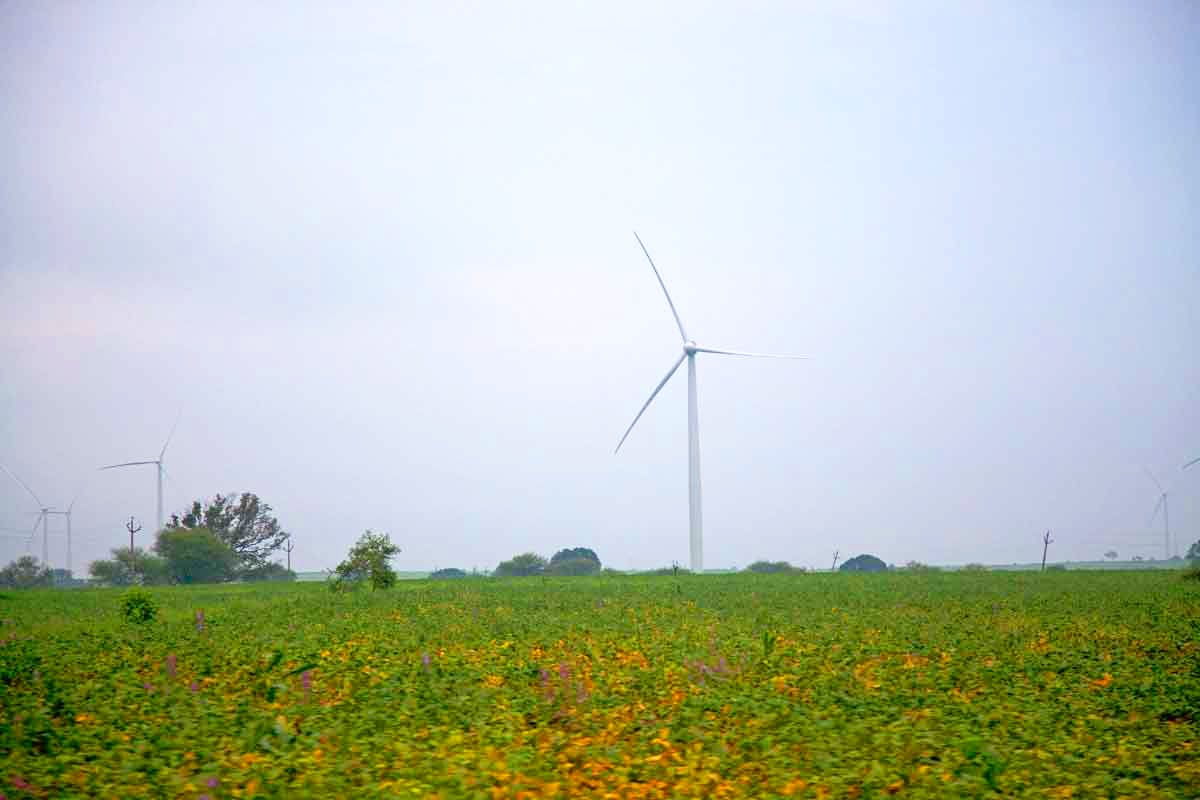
[(810, 686)]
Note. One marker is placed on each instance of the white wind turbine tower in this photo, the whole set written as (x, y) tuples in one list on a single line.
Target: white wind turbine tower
[(690, 348), (158, 462), (1162, 503), (43, 513)]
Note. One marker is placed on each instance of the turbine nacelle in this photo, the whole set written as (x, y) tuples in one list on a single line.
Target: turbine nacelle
[(690, 347)]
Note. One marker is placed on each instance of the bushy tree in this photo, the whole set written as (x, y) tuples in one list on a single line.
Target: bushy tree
[(864, 563), (126, 568), (25, 573), (573, 566), (1193, 552), (196, 555), (244, 523), (368, 560), (772, 566), (1111, 555), (521, 565), (572, 553), (447, 573)]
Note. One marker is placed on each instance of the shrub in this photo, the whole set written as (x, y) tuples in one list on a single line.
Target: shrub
[(368, 560), (521, 565), (917, 566), (196, 555), (447, 574), (973, 568), (573, 566), (138, 606), (864, 563), (1192, 573)]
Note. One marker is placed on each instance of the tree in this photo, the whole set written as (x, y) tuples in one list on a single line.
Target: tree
[(126, 568), (1193, 552), (863, 563), (771, 566), (447, 573), (521, 565), (572, 553), (368, 560), (245, 523), (573, 566), (1111, 555), (196, 555), (25, 573)]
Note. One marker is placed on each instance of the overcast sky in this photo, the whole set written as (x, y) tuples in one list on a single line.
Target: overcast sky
[(380, 259)]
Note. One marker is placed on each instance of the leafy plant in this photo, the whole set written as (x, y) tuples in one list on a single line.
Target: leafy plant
[(368, 561), (138, 606)]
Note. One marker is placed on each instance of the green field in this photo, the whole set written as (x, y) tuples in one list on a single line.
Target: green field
[(834, 685)]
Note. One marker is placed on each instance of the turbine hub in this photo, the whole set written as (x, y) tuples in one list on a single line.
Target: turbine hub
[(689, 347)]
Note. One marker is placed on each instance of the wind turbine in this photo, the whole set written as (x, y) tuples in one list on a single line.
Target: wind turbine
[(1191, 463), (1162, 503), (42, 514), (690, 349), (67, 514), (158, 462)]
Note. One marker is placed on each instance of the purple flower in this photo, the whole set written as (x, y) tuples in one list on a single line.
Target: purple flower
[(564, 670), (171, 665), (195, 687), (204, 797), (19, 782), (148, 687), (200, 619), (211, 782), (425, 661)]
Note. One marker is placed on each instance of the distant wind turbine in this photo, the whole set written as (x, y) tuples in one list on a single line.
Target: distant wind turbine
[(1192, 463), (690, 348), (158, 462), (42, 513), (1162, 503)]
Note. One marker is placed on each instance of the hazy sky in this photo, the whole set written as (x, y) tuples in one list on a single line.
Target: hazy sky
[(380, 257)]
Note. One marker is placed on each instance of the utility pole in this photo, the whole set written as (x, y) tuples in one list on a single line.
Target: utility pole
[(287, 548), (1046, 541), (835, 558), (129, 526)]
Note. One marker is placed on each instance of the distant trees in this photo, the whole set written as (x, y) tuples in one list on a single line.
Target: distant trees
[(773, 566), (369, 560), (522, 565), (448, 573), (269, 571), (1193, 553), (864, 563), (244, 523), (25, 573), (574, 561), (127, 568), (1111, 555), (917, 566)]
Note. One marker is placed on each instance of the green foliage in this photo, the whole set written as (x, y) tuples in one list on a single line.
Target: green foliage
[(368, 561), (573, 566), (1004, 684), (675, 569), (973, 568), (244, 523), (1056, 568), (1193, 553), (1192, 573), (574, 554), (130, 569), (768, 567), (25, 573), (138, 606), (522, 565), (196, 555), (864, 563), (447, 573), (917, 566), (269, 571)]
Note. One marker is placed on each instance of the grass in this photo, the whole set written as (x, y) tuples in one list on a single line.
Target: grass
[(914, 685)]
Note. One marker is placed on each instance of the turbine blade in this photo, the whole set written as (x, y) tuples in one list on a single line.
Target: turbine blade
[(1151, 476), (163, 452), (128, 464), (1162, 498), (1191, 463), (674, 313), (646, 405), (22, 483), (748, 355)]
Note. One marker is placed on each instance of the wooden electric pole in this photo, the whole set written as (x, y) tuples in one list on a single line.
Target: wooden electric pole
[(287, 548), (835, 558), (1046, 540), (132, 530)]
